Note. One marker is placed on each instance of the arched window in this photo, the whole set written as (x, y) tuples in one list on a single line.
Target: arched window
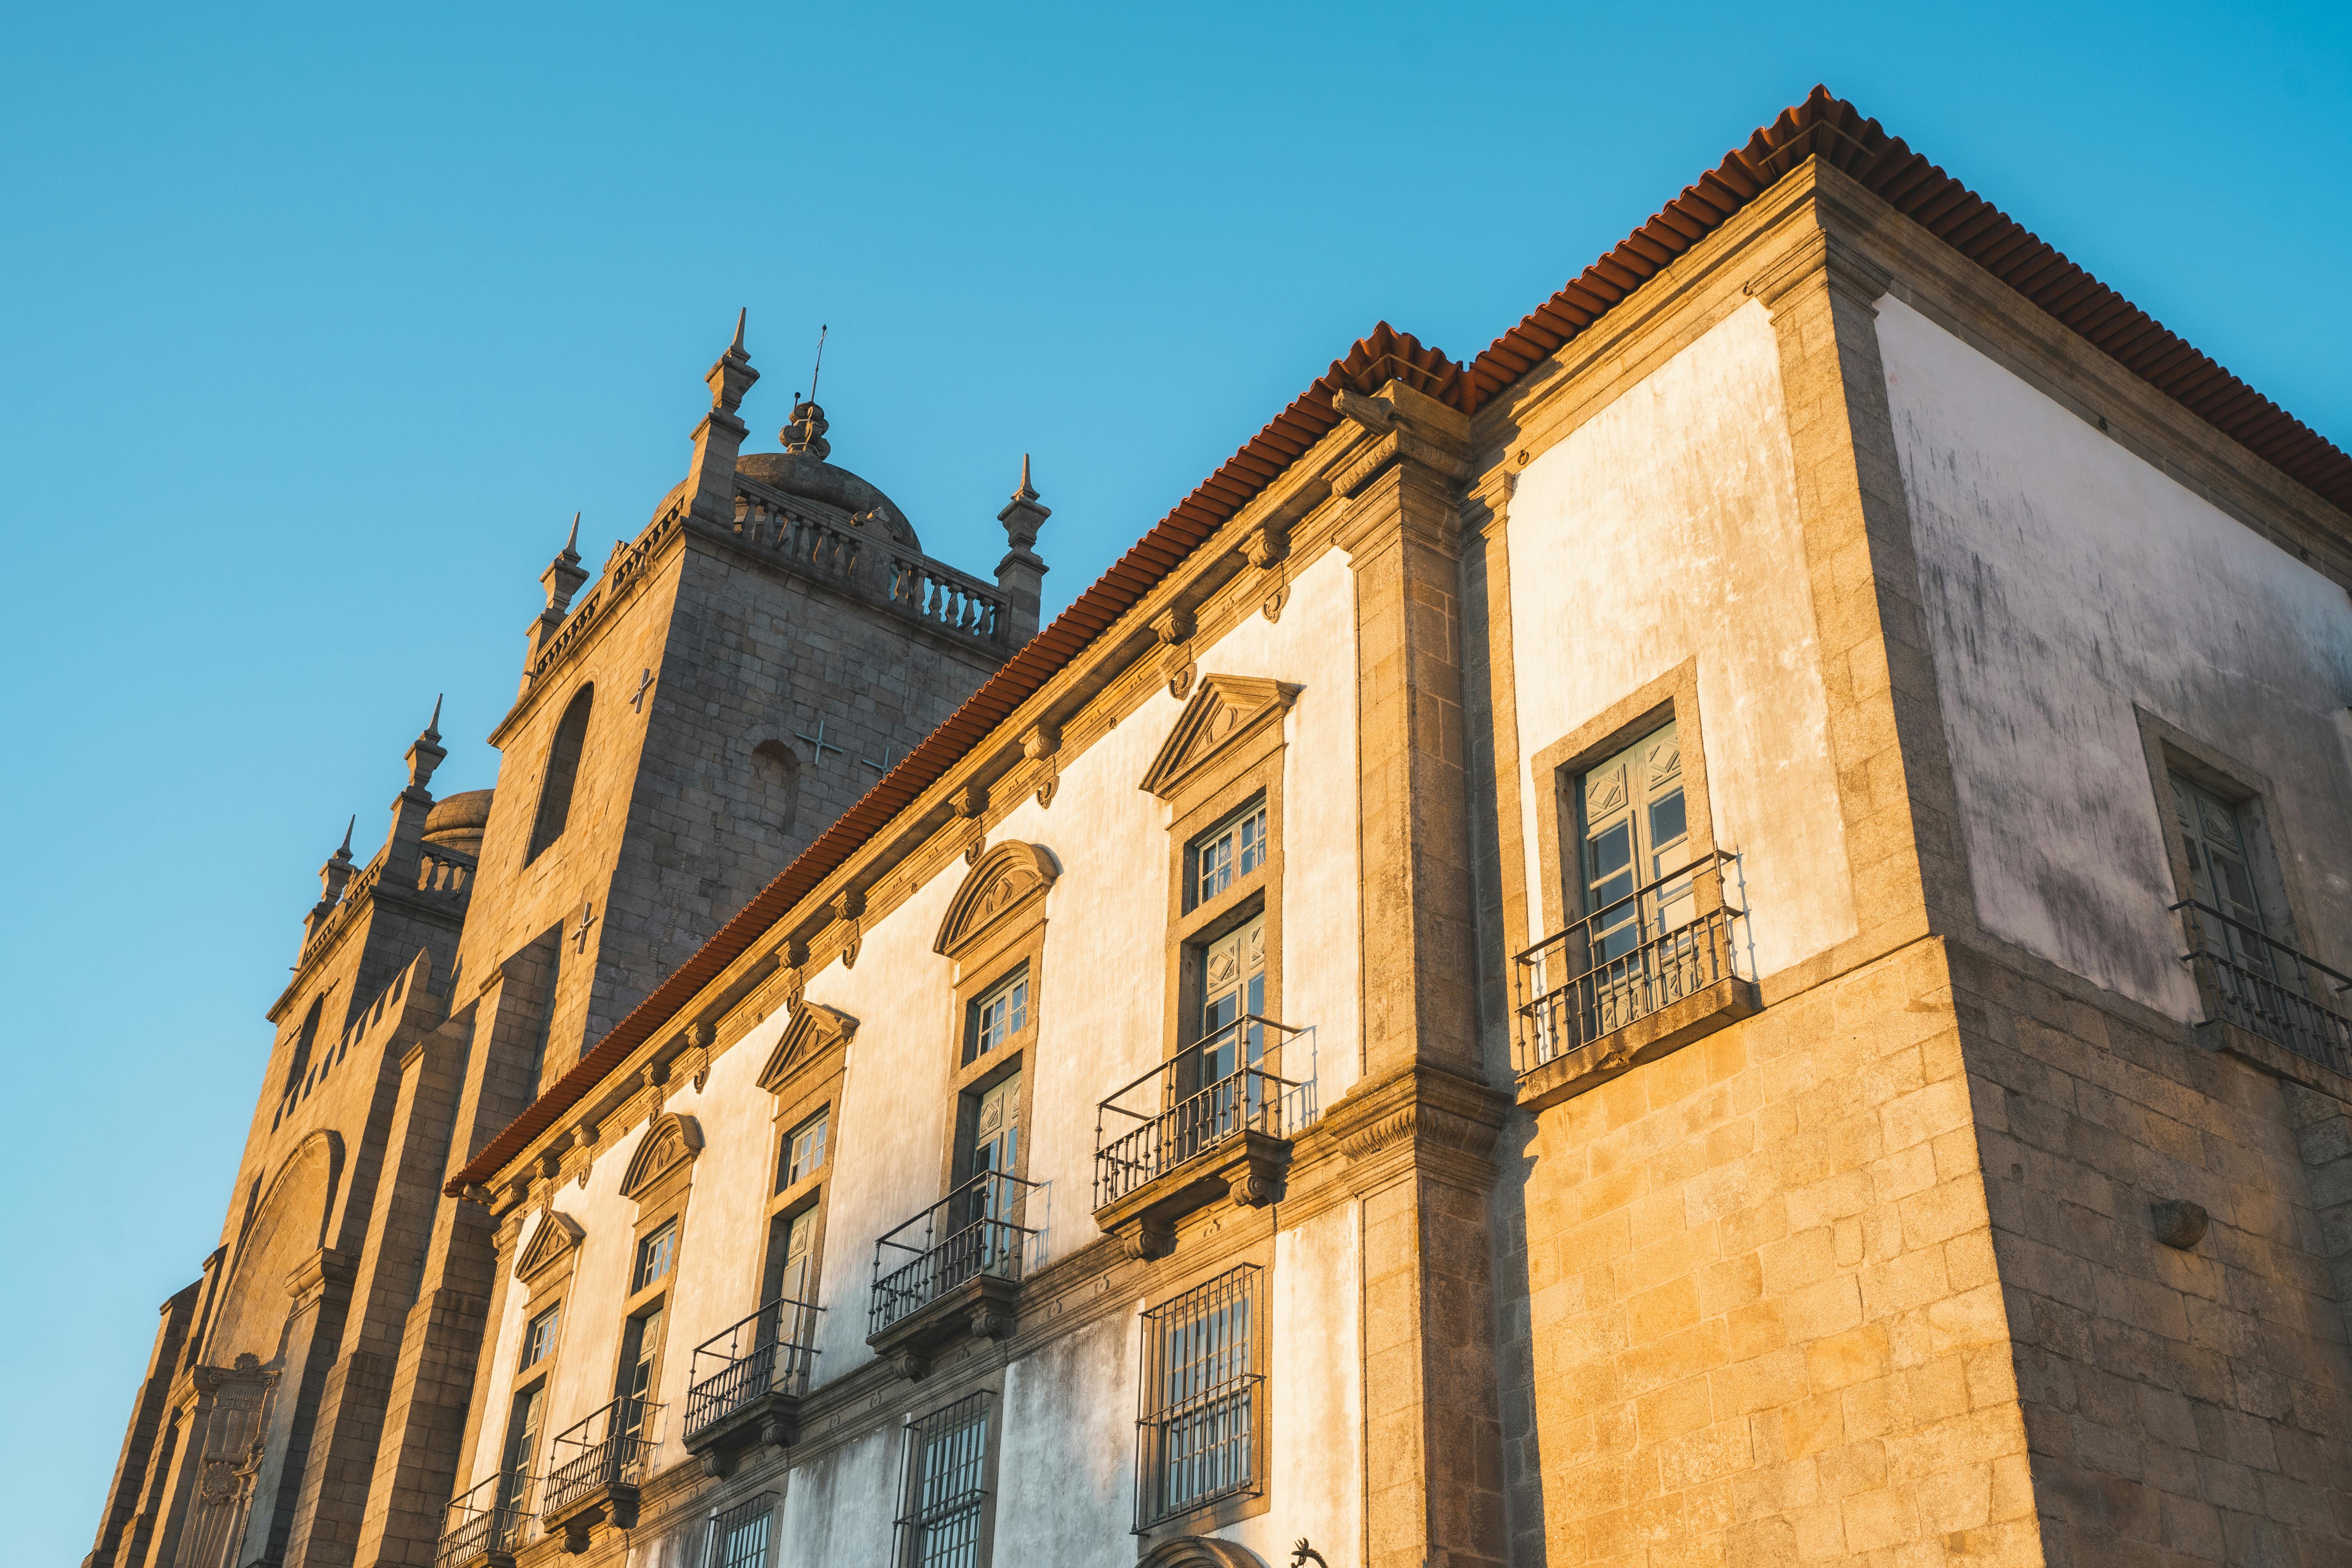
[(776, 769), (562, 768)]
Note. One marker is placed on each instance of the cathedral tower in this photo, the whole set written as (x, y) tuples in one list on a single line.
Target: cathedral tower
[(737, 676)]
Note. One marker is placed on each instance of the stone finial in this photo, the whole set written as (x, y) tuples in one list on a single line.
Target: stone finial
[(336, 871), (806, 435), (426, 753), (1021, 574), (732, 375), (565, 573), (719, 439)]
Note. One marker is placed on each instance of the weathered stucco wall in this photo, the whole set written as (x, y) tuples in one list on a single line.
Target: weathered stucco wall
[(2066, 579), (1666, 528), (1067, 1455)]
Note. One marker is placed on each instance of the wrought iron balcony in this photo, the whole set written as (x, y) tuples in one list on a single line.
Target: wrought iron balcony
[(952, 1269), (1169, 1142), (747, 1381), (485, 1521), (596, 1466), (1645, 975), (2250, 981)]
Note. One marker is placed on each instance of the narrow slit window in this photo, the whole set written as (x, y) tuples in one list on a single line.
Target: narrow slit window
[(562, 770)]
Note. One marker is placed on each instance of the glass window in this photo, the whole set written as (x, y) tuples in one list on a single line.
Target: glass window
[(947, 1473), (1635, 833), (1235, 847), (655, 1253), (805, 1148), (639, 1378), (523, 1443), (1197, 1441), (539, 1339), (741, 1534), (998, 1017)]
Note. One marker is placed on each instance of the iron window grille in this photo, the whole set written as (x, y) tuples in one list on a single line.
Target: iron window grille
[(739, 1538), (2247, 978), (486, 1518), (771, 1351), (946, 1488), (1196, 1438), (1647, 949)]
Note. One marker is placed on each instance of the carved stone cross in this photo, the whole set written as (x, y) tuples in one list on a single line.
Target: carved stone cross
[(818, 744), (637, 698), (580, 936), (881, 767)]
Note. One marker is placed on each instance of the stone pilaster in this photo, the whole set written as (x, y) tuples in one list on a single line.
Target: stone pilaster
[(1418, 1124), (320, 1287), (1886, 733), (147, 1426)]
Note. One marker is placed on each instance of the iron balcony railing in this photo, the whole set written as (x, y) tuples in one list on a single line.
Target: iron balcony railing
[(973, 1231), (1660, 942), (611, 1448), (2267, 988), (485, 1519), (768, 1352), (1169, 1115)]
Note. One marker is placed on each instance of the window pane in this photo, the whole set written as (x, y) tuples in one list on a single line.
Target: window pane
[(807, 1149), (655, 1255), (539, 1339)]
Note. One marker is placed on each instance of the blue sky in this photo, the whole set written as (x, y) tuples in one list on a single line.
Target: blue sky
[(318, 324)]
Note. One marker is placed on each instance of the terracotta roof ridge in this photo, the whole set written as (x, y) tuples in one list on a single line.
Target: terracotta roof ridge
[(1382, 354), (1829, 127), (1822, 125)]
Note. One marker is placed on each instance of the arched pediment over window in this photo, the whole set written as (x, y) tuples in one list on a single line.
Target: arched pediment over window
[(670, 1142), (1007, 880), (556, 1238), (1200, 1551), (814, 1027)]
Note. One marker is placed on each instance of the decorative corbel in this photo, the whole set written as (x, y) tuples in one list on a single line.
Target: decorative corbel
[(1042, 743), (700, 1037), (970, 805), (791, 958), (1266, 547), (847, 906), (1174, 626)]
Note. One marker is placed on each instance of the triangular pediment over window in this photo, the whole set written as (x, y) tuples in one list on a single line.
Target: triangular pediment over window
[(1222, 712), (668, 1143), (814, 1027), (556, 1238), (1006, 880)]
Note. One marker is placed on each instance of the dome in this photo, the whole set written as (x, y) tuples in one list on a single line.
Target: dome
[(456, 821), (837, 489)]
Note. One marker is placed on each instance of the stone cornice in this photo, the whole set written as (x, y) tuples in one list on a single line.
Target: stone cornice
[(1418, 1118)]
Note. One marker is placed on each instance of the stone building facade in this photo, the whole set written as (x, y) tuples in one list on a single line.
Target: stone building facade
[(1715, 937), (737, 677)]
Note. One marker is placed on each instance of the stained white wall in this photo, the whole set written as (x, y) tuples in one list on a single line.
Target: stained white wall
[(2066, 579), (1069, 1410), (1665, 527)]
